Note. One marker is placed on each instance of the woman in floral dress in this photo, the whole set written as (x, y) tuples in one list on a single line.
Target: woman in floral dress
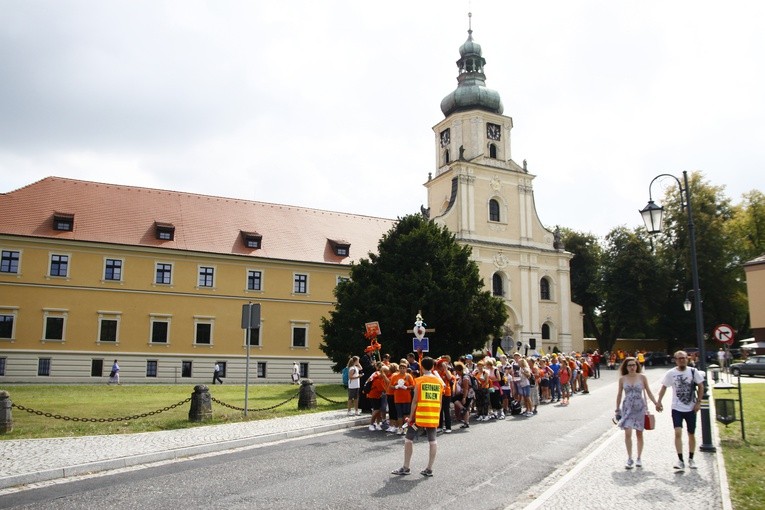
[(631, 411)]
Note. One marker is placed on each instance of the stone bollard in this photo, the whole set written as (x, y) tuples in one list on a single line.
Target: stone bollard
[(201, 404), (6, 418), (307, 397)]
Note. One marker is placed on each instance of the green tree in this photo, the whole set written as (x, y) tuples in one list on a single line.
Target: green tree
[(747, 227), (419, 267), (585, 276), (721, 277)]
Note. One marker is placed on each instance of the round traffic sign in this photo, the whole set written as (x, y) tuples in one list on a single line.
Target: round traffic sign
[(724, 334)]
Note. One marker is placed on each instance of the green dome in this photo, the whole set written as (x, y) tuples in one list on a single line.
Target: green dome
[(471, 92)]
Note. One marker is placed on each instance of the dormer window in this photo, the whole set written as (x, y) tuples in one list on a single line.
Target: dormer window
[(339, 247), (164, 231), (252, 240), (63, 221)]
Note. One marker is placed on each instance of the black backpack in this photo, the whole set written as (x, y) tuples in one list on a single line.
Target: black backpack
[(367, 386)]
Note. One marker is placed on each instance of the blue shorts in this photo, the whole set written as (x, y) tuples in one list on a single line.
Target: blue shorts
[(525, 391), (689, 417)]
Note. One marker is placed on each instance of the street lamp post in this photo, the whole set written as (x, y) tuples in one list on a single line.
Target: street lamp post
[(653, 216)]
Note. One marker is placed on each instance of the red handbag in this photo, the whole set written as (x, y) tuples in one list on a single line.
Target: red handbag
[(649, 422)]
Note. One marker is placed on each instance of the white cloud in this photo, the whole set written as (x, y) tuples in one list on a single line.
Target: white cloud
[(330, 104)]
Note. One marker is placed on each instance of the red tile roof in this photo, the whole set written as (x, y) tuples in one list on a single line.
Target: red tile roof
[(127, 215)]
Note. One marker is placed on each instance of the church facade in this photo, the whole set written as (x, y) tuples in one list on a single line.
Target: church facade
[(487, 200)]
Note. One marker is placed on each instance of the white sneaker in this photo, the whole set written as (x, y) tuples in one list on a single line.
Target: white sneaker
[(350, 412), (358, 412), (400, 431), (501, 416), (630, 463), (691, 464), (638, 463), (679, 465), (392, 429), (378, 426), (372, 427)]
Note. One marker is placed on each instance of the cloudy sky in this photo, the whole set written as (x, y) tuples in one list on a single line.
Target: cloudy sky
[(330, 104)]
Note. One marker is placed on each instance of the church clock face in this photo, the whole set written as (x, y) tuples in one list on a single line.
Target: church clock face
[(493, 131), (445, 137)]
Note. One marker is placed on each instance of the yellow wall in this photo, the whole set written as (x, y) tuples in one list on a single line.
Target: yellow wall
[(84, 293)]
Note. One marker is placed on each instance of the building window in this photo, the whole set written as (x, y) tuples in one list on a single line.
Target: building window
[(341, 279), (96, 368), (261, 369), (303, 368), (493, 151), (252, 240), (108, 329), (160, 331), (493, 210), (9, 263), (222, 366), (113, 270), (63, 222), (299, 336), (54, 325), (544, 289), (254, 337), (447, 159), (164, 231), (300, 284), (43, 366), (254, 280), (203, 333), (2, 366), (7, 326), (496, 285), (151, 368), (545, 331), (164, 273), (59, 265), (206, 276), (186, 368)]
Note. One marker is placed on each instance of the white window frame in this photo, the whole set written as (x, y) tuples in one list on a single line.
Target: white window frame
[(299, 324), (203, 319), (247, 280), (307, 284), (199, 275), (104, 279), (111, 316), (160, 317), (14, 312), (54, 313), (172, 274), (21, 257), (342, 278), (68, 274)]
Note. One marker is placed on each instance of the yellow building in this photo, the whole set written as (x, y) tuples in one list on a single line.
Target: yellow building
[(755, 288), (157, 279)]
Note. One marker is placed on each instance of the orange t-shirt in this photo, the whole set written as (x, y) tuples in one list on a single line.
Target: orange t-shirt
[(402, 396), (378, 387)]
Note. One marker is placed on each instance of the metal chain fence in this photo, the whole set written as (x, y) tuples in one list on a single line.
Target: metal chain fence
[(330, 400), (99, 420), (250, 409)]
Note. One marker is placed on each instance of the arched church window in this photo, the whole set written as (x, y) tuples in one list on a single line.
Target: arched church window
[(545, 331), (496, 285), (493, 210), (446, 156), (544, 289), (493, 151)]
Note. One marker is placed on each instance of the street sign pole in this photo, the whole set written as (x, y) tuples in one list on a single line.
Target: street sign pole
[(247, 363)]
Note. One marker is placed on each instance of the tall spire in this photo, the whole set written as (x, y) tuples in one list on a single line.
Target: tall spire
[(471, 92)]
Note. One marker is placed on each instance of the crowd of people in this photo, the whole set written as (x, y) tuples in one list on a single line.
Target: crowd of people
[(474, 390)]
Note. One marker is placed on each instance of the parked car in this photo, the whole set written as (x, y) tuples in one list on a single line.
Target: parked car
[(657, 358), (754, 365)]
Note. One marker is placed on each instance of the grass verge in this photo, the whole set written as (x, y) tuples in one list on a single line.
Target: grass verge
[(128, 401), (745, 460)]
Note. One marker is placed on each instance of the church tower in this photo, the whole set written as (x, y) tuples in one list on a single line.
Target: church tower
[(487, 200)]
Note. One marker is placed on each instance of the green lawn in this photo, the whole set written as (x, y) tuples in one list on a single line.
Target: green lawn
[(745, 461), (128, 401)]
